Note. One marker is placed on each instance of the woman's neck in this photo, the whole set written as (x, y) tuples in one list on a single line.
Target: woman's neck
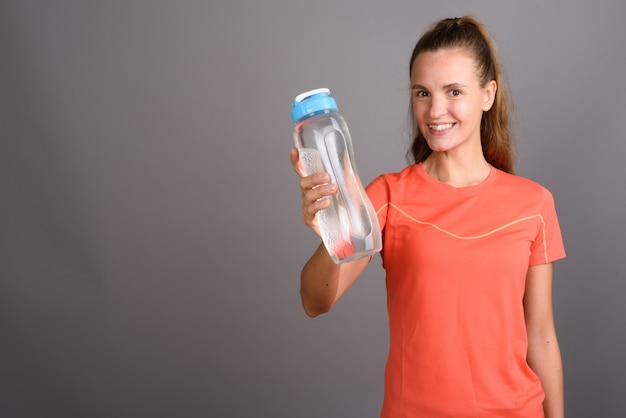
[(457, 172)]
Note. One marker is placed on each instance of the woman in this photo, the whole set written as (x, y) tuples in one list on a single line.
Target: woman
[(467, 248)]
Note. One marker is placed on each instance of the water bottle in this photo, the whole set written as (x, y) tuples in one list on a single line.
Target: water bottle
[(349, 226)]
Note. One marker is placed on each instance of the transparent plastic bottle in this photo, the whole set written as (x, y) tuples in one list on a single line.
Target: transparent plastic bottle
[(349, 226)]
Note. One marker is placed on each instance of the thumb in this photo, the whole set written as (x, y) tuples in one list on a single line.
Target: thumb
[(297, 164)]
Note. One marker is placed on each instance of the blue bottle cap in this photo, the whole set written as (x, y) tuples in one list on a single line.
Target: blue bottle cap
[(311, 102)]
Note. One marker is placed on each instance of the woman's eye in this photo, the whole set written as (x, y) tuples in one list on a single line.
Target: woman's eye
[(455, 93), (421, 93)]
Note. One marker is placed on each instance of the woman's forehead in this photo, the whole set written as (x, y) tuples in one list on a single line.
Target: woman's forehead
[(445, 65)]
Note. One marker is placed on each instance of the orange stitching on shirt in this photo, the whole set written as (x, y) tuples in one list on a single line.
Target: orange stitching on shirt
[(381, 208), (545, 246)]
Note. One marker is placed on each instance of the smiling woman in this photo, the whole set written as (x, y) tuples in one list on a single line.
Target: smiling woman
[(452, 42), (448, 103), (467, 248)]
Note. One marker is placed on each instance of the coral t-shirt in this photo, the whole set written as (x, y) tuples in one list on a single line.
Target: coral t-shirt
[(456, 261)]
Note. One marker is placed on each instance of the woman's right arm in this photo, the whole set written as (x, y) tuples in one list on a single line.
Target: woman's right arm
[(322, 281)]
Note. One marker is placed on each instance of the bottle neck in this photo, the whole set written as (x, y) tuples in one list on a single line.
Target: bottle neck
[(317, 113)]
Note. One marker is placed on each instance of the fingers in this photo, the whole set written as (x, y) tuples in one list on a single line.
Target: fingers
[(315, 198), (315, 189), (307, 182), (314, 181), (317, 193)]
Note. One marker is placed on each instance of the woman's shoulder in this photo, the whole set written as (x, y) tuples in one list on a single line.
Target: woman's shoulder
[(525, 186), (394, 183), (407, 172), (396, 179)]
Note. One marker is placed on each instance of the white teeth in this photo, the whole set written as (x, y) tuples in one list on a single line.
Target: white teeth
[(440, 128)]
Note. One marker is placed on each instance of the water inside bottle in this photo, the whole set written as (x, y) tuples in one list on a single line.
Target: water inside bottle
[(349, 185), (336, 221)]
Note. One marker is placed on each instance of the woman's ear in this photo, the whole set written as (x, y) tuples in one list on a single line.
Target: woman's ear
[(489, 94)]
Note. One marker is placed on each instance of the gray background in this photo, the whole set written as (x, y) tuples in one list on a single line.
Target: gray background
[(150, 236)]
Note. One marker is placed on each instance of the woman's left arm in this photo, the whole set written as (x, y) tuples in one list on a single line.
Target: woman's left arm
[(544, 355)]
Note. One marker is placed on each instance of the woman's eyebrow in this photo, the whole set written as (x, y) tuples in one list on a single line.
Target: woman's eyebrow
[(446, 87), (453, 86)]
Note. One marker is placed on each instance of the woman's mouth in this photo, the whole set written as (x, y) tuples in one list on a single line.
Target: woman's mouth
[(440, 127)]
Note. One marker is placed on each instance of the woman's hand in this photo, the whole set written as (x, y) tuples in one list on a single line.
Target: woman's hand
[(315, 190)]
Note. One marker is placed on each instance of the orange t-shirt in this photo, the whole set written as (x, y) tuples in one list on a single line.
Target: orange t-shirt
[(456, 261)]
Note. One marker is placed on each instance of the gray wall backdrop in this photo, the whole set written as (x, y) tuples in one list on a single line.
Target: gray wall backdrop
[(150, 235)]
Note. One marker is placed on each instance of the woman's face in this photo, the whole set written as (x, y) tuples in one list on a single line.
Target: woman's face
[(448, 101)]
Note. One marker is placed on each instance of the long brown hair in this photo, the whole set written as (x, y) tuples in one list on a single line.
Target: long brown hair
[(469, 34)]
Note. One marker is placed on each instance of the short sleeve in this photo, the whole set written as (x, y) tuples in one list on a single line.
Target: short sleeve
[(548, 245), (378, 192)]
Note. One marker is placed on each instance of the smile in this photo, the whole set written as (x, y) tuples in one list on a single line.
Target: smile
[(442, 127)]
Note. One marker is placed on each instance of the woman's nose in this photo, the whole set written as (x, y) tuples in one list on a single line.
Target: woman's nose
[(437, 107)]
